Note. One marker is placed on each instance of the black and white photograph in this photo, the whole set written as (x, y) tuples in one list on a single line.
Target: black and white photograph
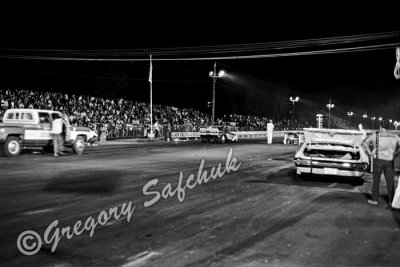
[(200, 134)]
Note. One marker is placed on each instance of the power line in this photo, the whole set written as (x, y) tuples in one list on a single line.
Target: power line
[(227, 48), (256, 50)]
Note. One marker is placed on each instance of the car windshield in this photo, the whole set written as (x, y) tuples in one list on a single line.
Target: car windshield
[(332, 151)]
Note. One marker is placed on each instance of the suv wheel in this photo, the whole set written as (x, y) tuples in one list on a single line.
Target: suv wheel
[(12, 147), (79, 145)]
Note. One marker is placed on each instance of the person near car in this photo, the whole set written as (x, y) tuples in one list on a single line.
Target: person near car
[(156, 128), (361, 129), (270, 132), (385, 145), (57, 131)]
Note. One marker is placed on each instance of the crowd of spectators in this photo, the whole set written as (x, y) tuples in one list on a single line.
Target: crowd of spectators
[(123, 117)]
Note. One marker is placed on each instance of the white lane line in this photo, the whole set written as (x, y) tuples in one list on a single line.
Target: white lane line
[(330, 189), (28, 213), (141, 258)]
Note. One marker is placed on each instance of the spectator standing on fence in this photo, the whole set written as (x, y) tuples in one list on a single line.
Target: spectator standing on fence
[(270, 132)]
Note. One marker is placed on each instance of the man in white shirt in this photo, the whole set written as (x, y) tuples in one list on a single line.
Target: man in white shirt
[(56, 130), (364, 133), (270, 131)]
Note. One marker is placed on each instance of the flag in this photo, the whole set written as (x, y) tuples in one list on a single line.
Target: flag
[(151, 71)]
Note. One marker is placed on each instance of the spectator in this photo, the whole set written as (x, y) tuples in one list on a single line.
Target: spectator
[(384, 146), (364, 133), (57, 130), (270, 132)]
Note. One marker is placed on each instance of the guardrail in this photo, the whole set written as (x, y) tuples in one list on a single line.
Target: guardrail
[(241, 134)]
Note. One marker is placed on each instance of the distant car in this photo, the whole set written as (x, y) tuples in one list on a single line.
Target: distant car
[(293, 137), (218, 134), (332, 152)]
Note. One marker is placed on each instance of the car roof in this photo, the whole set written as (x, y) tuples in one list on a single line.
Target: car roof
[(29, 110), (324, 130), (316, 135)]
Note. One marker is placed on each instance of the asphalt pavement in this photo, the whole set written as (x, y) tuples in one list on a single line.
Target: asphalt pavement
[(187, 204)]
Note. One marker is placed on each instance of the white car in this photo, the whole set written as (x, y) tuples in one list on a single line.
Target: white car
[(332, 152)]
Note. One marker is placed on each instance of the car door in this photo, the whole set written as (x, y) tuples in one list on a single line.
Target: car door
[(43, 133)]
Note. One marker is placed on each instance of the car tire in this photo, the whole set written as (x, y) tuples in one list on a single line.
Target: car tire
[(79, 145), (11, 147)]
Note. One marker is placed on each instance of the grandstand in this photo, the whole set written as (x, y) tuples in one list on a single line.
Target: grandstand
[(123, 118)]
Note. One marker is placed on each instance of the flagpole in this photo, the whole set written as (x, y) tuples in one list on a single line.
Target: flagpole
[(151, 97)]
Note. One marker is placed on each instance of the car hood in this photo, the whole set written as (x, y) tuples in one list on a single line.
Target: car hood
[(333, 136), (80, 129)]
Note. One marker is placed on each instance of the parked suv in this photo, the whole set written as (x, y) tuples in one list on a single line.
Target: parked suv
[(32, 128)]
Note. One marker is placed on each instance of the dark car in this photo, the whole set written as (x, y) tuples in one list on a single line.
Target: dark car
[(218, 134)]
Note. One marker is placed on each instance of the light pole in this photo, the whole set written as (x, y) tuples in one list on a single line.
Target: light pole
[(380, 122), (349, 114), (295, 99), (364, 117), (372, 122), (319, 120), (396, 123), (214, 76), (330, 105)]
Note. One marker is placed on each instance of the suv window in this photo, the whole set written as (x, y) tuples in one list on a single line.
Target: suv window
[(10, 116), (44, 117), (26, 116)]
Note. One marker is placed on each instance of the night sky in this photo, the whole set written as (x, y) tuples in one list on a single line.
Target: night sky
[(356, 81)]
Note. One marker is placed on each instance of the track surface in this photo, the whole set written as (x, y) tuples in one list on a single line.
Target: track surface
[(259, 215)]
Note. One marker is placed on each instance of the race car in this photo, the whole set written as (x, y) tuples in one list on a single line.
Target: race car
[(293, 137), (218, 134), (332, 152)]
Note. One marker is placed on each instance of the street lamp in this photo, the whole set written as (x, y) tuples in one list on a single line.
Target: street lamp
[(349, 114), (372, 122), (396, 123), (214, 76), (330, 105), (296, 99), (380, 122)]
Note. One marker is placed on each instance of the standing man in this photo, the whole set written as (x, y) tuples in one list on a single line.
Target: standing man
[(56, 130), (270, 131), (384, 145), (364, 133)]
